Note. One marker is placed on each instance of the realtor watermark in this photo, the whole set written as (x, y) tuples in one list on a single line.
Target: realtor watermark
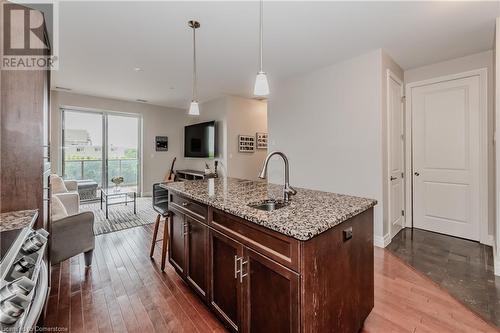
[(30, 35)]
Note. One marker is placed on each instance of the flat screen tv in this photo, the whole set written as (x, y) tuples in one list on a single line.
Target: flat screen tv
[(200, 140)]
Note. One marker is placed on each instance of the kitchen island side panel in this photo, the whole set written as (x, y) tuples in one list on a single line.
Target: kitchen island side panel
[(337, 277)]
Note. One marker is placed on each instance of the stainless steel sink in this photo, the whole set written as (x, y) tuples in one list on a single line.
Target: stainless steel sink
[(269, 205)]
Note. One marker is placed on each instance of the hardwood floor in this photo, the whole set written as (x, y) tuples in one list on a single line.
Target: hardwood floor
[(124, 291)]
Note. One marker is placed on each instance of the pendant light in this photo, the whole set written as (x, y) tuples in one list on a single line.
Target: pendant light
[(194, 109), (261, 87)]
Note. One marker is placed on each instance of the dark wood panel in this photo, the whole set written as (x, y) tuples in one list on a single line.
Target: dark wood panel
[(177, 247), (271, 301), (188, 206), (197, 256), (278, 247), (23, 102), (337, 302), (225, 292)]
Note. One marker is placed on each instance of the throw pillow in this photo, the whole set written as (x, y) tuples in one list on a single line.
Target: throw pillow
[(58, 210), (57, 184)]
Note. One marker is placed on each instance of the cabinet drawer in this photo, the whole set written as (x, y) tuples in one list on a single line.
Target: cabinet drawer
[(188, 206), (280, 248)]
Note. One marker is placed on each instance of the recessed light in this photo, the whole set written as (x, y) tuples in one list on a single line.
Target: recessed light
[(138, 69), (141, 100), (63, 88)]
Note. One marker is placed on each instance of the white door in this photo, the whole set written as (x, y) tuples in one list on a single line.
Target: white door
[(396, 153), (446, 153)]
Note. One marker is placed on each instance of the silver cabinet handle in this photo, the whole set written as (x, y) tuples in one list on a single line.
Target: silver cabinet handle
[(394, 178), (186, 228), (236, 270), (417, 174), (242, 275), (184, 204)]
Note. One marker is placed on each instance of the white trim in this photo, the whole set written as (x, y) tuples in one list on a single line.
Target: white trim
[(496, 262), (391, 75), (497, 147), (382, 242), (484, 237)]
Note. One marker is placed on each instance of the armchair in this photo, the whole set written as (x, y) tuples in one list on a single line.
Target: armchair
[(72, 231), (73, 235)]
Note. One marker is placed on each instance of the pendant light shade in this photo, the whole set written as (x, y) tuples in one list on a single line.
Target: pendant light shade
[(261, 87), (194, 109)]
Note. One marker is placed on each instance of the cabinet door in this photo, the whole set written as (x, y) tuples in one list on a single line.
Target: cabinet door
[(177, 250), (197, 256), (271, 295), (225, 292)]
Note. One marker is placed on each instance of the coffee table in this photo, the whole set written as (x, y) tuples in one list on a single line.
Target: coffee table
[(108, 194)]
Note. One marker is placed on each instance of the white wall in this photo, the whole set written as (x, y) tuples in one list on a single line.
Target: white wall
[(156, 121), (246, 117), (329, 123), (215, 109), (234, 116), (459, 65)]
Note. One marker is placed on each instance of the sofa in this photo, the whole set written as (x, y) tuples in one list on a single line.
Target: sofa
[(72, 231)]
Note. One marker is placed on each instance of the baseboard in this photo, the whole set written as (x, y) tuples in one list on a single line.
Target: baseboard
[(380, 241), (488, 240), (496, 265)]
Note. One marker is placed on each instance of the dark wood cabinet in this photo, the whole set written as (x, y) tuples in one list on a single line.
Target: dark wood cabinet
[(271, 295), (226, 290), (197, 256), (257, 280), (177, 244), (24, 128)]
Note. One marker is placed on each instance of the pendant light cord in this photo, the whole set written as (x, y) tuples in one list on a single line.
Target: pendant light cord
[(261, 31), (194, 65)]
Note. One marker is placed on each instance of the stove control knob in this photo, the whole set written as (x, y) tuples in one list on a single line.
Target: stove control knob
[(24, 264), (35, 241), (12, 308), (43, 232), (21, 286)]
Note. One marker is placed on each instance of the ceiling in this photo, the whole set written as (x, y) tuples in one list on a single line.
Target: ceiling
[(102, 42)]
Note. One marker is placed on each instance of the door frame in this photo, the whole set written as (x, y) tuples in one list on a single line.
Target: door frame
[(390, 75), (482, 73), (104, 114)]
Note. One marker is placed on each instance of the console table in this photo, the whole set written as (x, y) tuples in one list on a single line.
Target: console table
[(192, 175)]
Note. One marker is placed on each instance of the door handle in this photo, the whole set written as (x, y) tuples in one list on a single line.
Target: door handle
[(236, 270), (417, 174), (394, 178), (241, 269)]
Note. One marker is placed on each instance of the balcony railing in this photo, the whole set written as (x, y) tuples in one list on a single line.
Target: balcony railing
[(92, 169)]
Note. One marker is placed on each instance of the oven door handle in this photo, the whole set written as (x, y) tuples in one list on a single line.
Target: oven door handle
[(38, 302)]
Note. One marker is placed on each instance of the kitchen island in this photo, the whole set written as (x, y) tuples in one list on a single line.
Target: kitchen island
[(305, 267)]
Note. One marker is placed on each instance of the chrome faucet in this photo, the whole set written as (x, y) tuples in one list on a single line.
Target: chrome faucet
[(287, 190)]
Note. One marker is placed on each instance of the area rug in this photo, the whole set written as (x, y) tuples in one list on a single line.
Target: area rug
[(120, 217)]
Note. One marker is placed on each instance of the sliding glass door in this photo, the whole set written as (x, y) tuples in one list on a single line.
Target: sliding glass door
[(123, 149), (100, 145), (83, 146)]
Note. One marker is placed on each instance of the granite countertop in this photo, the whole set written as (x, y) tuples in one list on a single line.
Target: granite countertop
[(308, 214), (17, 219)]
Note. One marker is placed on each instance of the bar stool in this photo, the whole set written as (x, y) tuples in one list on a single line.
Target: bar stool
[(160, 205)]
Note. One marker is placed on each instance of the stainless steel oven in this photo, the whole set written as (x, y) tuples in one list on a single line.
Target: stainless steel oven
[(23, 278)]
